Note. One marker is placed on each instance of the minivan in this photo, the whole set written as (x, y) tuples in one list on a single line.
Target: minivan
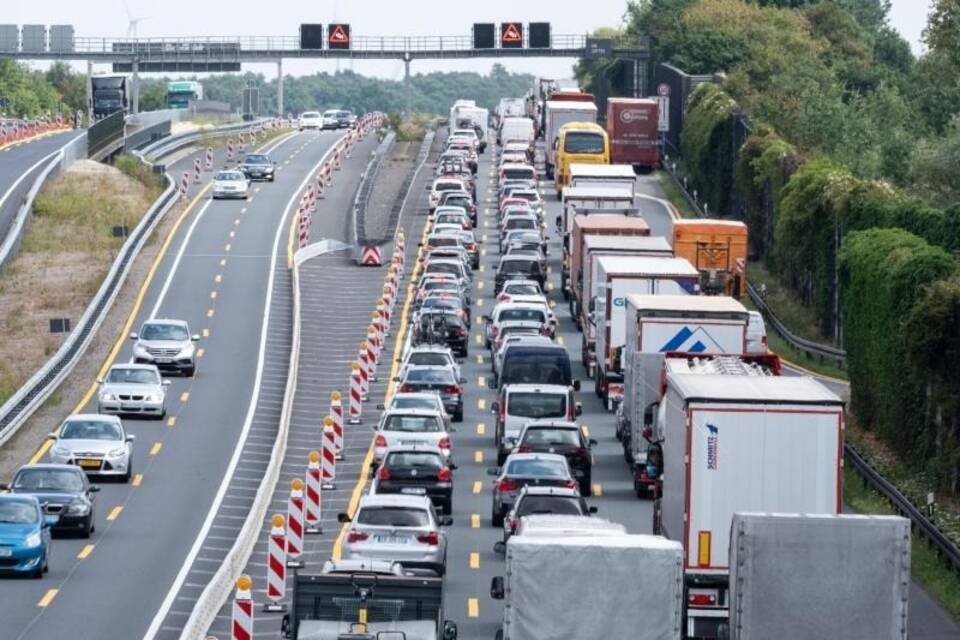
[(535, 362), (519, 404)]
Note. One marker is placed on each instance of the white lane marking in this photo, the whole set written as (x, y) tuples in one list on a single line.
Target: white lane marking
[(251, 410), (176, 262), (24, 175)]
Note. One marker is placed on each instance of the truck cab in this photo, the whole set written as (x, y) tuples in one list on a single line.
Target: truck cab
[(582, 143)]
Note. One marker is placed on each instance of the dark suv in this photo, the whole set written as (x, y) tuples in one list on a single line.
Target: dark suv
[(565, 438), (521, 267)]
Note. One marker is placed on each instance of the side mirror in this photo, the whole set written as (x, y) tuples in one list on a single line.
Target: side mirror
[(463, 380), (134, 336), (396, 378), (648, 434), (195, 337), (4, 486), (130, 437), (592, 509), (99, 380), (445, 521), (495, 406), (344, 518), (492, 471), (452, 466), (166, 383), (52, 435), (500, 547), (94, 488), (592, 442), (576, 385), (449, 630), (496, 588), (579, 409), (485, 318)]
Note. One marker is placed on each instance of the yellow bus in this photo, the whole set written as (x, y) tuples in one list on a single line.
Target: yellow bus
[(580, 142)]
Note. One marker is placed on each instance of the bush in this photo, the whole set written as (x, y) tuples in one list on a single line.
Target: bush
[(131, 166), (764, 166), (706, 145)]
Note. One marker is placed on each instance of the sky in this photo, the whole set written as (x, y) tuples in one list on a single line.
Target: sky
[(110, 18)]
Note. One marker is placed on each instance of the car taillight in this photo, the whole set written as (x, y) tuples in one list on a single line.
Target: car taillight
[(431, 538), (383, 473), (379, 441), (545, 331), (444, 474), (473, 247), (514, 524), (357, 536), (503, 297), (507, 485), (444, 443), (701, 599), (524, 449), (581, 452), (570, 484), (495, 331), (406, 388)]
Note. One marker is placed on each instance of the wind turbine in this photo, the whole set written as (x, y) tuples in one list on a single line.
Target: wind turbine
[(133, 22)]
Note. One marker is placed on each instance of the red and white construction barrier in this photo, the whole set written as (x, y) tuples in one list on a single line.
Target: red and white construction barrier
[(276, 565), (373, 350), (312, 505), (356, 393), (371, 256), (241, 623), (303, 231), (328, 456), (364, 371), (336, 414), (184, 184), (241, 140), (295, 521), (209, 163), (197, 170), (230, 149)]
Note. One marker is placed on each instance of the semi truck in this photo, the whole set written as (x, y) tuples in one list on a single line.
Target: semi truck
[(607, 586), (737, 439), (819, 574), (559, 113), (581, 280), (367, 600), (718, 249), (595, 223), (587, 200), (603, 175), (612, 280), (632, 125), (660, 325), (181, 93), (110, 94)]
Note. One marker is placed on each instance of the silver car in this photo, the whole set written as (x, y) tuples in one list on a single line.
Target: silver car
[(406, 427), (95, 443), (542, 501), (230, 184), (167, 344), (523, 469), (134, 389), (404, 529), (429, 400), (430, 354)]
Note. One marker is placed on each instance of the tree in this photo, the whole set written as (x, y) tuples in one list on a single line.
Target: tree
[(942, 34)]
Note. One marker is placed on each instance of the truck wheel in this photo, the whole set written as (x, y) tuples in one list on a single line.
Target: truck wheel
[(596, 385)]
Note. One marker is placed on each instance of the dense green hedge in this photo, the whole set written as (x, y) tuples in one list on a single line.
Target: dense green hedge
[(764, 166), (883, 273), (706, 145)]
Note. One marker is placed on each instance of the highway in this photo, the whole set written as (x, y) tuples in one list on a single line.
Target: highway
[(20, 163), (218, 272)]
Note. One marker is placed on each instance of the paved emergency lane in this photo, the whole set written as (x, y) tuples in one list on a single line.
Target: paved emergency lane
[(214, 274)]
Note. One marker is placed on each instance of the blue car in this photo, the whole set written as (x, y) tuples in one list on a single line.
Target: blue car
[(24, 536)]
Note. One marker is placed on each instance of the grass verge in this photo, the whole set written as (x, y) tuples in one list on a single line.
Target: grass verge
[(675, 196), (926, 566)]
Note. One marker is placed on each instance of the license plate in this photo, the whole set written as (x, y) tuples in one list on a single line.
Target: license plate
[(90, 464), (391, 539), (414, 491), (5, 552), (163, 360), (129, 405), (410, 443)]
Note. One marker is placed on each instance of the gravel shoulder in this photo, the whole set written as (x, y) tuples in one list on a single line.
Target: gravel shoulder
[(387, 189)]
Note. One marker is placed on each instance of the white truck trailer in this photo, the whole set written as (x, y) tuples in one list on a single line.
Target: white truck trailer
[(610, 586), (733, 442), (614, 278), (558, 114), (813, 576), (603, 175)]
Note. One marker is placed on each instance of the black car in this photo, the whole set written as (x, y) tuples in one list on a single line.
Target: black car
[(63, 490), (439, 326), (565, 438), (345, 119), (417, 470), (460, 199), (449, 302), (258, 166), (518, 268)]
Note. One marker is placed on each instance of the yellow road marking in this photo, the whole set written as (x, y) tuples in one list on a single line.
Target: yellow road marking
[(42, 451), (206, 333), (479, 302), (114, 513), (184, 396), (480, 285), (478, 456), (473, 608), (86, 551), (597, 489), (137, 480), (475, 520), (560, 340), (155, 449), (171, 421), (481, 428), (481, 381), (585, 429), (213, 295), (227, 248), (474, 560), (209, 313), (47, 598), (482, 269), (479, 338), (479, 359), (218, 278), (477, 487), (481, 404), (200, 352), (223, 262)]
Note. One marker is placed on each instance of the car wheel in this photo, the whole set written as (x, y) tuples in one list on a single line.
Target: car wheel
[(458, 415), (586, 487), (271, 178), (88, 530), (125, 478), (501, 457), (496, 517), (163, 414), (38, 572), (447, 506)]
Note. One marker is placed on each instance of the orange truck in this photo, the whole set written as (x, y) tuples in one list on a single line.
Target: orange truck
[(718, 249)]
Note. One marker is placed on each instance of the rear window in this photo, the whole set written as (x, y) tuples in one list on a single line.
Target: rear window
[(548, 436), (430, 376), (412, 424), (521, 223), (444, 267), (538, 468), (393, 517), (560, 505), (414, 459), (458, 201), (443, 241), (522, 289), (531, 315), (537, 405), (439, 359), (520, 173), (520, 267), (414, 403), (448, 186), (583, 142), (536, 365)]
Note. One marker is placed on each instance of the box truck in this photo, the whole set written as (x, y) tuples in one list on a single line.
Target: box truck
[(654, 327), (110, 94), (597, 223), (558, 114), (734, 441), (819, 576), (718, 249), (578, 587), (613, 279), (603, 175), (634, 137), (588, 200)]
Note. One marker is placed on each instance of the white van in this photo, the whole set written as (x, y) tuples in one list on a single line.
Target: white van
[(756, 333), (518, 404), (516, 129)]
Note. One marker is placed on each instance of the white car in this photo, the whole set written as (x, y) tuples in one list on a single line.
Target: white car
[(430, 354), (95, 443), (407, 427), (514, 312), (444, 184), (133, 389), (310, 120), (330, 120), (230, 184)]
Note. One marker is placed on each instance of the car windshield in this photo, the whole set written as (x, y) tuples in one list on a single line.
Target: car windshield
[(18, 512), (49, 480), (412, 424), (154, 331), (90, 430), (229, 176), (536, 365), (560, 505), (583, 142), (133, 376), (436, 376), (552, 437), (427, 358), (537, 405), (256, 159), (537, 468), (526, 195), (522, 289), (393, 517), (531, 315), (414, 459)]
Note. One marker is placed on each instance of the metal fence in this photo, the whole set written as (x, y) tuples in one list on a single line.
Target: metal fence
[(103, 136)]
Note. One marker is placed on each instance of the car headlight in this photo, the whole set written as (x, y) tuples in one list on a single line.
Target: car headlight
[(139, 350), (78, 509), (108, 397), (153, 397), (33, 540), (116, 453), (61, 452), (187, 351)]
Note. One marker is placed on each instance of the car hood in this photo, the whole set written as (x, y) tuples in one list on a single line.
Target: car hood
[(163, 344), (14, 534), (89, 446), (131, 389), (56, 497), (229, 183)]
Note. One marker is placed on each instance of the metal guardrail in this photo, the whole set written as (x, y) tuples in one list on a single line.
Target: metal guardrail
[(105, 136), (362, 196), (18, 408), (168, 145), (146, 135)]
